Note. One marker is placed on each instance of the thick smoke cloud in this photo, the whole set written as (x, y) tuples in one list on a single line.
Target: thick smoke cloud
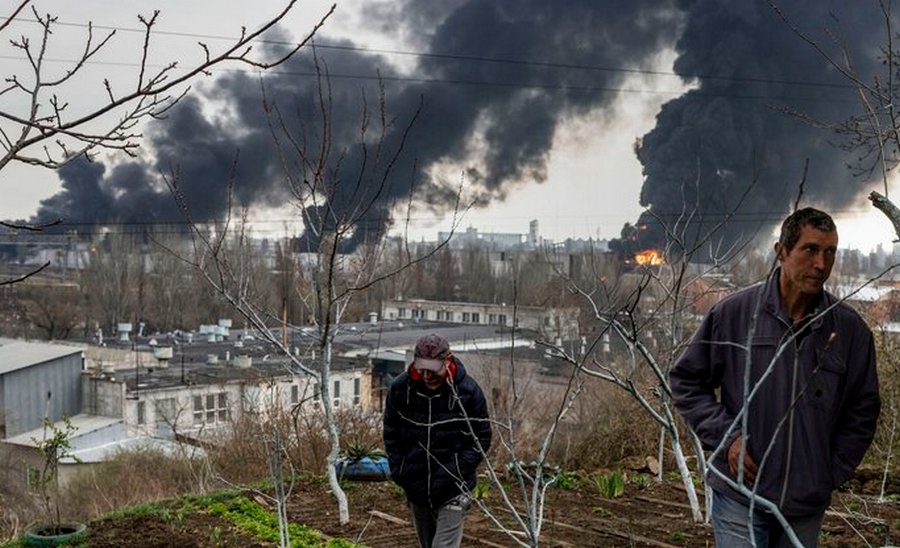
[(478, 94), (513, 108), (728, 135)]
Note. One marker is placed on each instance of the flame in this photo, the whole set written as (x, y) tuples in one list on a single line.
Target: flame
[(649, 257)]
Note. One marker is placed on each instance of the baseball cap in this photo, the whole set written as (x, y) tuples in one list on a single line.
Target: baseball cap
[(430, 352)]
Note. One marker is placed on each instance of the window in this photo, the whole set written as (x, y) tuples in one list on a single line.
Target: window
[(466, 317), (476, 317), (198, 410), (401, 313), (295, 393), (316, 392), (223, 407), (336, 395), (141, 412), (492, 319), (210, 408), (502, 319), (356, 391)]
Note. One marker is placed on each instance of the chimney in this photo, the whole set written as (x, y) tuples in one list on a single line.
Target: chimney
[(123, 329)]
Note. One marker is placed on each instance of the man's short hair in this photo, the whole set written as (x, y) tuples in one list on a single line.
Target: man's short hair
[(808, 216)]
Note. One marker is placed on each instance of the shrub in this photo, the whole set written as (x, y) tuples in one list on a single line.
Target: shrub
[(611, 486), (131, 477)]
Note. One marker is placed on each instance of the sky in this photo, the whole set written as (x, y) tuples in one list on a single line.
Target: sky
[(535, 110)]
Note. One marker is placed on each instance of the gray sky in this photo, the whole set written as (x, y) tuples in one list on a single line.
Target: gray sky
[(586, 183)]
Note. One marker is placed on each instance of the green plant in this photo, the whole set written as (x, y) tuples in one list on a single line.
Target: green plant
[(340, 543), (259, 522), (215, 536), (677, 536), (55, 446), (481, 490), (640, 480), (611, 486), (602, 512), (567, 481), (357, 451)]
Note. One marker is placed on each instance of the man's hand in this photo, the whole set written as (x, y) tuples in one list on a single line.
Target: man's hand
[(734, 454)]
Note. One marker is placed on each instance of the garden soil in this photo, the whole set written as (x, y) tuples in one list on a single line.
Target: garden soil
[(652, 514)]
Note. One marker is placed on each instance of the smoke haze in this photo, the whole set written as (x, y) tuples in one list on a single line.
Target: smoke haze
[(498, 81)]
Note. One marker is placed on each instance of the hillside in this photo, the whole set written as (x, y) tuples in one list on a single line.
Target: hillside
[(648, 513)]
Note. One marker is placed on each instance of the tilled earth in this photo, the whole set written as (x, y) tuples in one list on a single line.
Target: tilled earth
[(654, 515)]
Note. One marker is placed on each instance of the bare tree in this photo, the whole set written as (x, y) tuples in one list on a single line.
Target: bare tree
[(53, 309), (340, 263), (55, 123), (873, 137), (109, 279), (643, 320)]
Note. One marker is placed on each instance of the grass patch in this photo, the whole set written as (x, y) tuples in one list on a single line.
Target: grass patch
[(262, 524), (153, 509), (611, 486)]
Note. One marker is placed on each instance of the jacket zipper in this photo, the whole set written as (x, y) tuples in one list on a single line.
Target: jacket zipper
[(428, 450), (790, 425)]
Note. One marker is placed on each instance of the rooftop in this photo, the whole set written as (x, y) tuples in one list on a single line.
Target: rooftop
[(201, 362), (16, 354)]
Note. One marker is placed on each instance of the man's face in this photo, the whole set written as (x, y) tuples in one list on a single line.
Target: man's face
[(434, 379), (806, 266)]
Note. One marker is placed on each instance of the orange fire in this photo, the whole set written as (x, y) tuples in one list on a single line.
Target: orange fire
[(649, 257)]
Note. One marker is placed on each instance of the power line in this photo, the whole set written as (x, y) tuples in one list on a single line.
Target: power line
[(474, 58), (500, 84), (169, 226)]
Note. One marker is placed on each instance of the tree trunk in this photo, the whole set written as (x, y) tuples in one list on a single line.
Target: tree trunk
[(334, 437)]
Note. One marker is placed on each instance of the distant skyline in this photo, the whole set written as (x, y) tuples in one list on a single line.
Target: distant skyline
[(592, 177)]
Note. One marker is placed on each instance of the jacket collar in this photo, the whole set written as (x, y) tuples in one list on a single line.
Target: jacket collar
[(772, 301)]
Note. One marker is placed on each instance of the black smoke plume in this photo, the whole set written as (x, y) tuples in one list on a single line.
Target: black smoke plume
[(500, 77), (477, 88), (726, 154)]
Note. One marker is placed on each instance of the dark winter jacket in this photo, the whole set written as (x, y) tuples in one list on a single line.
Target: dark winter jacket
[(828, 369), (435, 439)]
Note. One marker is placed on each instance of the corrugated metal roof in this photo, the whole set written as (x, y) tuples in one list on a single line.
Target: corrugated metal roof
[(16, 354), (107, 451), (83, 423), (99, 449)]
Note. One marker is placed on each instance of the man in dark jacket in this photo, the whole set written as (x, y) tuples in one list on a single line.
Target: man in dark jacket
[(810, 397), (436, 432)]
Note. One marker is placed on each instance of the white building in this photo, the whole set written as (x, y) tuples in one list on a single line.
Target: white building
[(551, 323)]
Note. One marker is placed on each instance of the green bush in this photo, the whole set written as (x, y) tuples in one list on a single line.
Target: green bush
[(567, 481)]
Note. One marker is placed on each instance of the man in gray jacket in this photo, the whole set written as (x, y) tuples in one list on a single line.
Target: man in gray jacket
[(810, 395)]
